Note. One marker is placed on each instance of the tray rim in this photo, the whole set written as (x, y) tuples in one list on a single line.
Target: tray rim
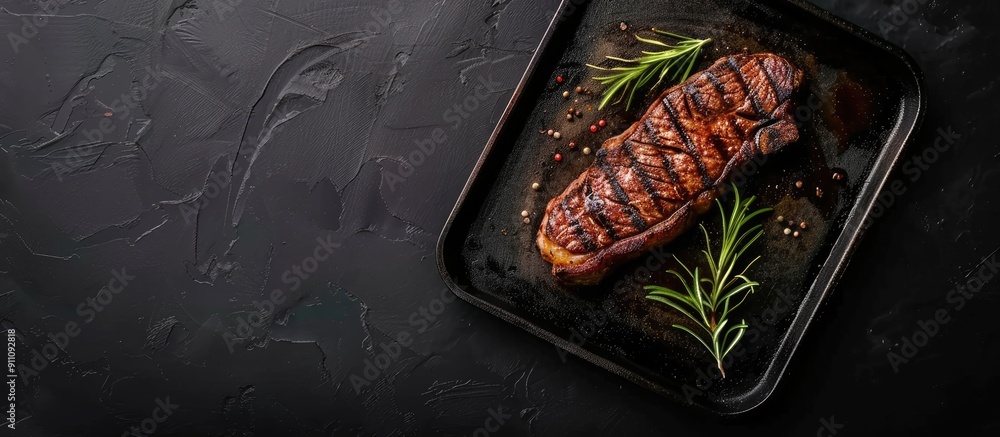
[(826, 279)]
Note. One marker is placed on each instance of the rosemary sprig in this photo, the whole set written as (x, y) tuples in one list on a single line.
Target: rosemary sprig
[(676, 61), (709, 299)]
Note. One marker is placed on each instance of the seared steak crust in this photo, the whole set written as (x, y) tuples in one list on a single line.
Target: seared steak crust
[(648, 184)]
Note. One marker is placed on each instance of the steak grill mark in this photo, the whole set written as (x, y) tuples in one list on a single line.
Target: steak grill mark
[(645, 181)]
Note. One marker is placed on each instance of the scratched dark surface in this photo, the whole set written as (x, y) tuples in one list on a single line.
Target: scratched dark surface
[(211, 154)]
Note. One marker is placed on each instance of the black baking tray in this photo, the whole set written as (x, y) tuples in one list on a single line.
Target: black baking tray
[(859, 105)]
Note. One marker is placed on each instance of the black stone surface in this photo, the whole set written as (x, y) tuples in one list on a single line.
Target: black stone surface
[(225, 157)]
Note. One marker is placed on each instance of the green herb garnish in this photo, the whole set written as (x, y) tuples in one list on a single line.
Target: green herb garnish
[(709, 300), (677, 61)]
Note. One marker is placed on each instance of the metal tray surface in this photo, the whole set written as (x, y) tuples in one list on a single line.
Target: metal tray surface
[(859, 104)]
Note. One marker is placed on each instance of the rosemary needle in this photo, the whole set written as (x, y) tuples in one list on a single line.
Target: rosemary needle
[(675, 61), (708, 298)]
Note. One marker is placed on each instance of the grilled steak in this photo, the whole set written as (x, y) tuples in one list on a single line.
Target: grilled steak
[(648, 184)]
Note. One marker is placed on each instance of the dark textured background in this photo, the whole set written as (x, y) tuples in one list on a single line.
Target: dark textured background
[(121, 121)]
